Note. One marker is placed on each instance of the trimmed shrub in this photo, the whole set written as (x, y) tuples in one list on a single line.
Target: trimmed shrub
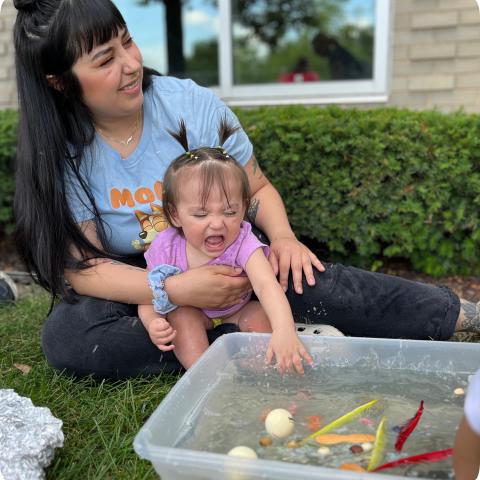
[(370, 184), (365, 184)]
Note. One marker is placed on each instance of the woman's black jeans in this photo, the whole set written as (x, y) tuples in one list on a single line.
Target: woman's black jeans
[(107, 339)]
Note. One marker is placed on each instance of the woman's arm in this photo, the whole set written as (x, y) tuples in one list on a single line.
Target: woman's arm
[(268, 213), (106, 278), (213, 286), (284, 345)]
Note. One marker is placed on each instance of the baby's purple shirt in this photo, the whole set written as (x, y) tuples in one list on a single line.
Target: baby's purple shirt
[(169, 247)]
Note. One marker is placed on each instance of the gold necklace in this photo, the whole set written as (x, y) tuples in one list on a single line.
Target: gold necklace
[(129, 139)]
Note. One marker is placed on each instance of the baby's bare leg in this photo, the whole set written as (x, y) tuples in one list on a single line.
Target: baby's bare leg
[(251, 318), (191, 340)]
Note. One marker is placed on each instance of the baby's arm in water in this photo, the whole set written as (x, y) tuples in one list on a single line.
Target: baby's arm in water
[(284, 345), (159, 329)]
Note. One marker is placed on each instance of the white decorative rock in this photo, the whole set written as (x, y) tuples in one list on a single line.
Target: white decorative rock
[(242, 452), (367, 446), (324, 451), (280, 423)]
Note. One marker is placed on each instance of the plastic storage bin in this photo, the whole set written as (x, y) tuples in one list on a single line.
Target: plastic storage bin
[(157, 440)]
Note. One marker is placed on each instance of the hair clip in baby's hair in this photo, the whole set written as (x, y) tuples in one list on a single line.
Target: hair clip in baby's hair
[(224, 152), (191, 155)]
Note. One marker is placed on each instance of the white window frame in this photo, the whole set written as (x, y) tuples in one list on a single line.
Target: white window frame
[(339, 91)]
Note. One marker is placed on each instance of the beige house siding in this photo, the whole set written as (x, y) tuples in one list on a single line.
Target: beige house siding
[(8, 91), (435, 55)]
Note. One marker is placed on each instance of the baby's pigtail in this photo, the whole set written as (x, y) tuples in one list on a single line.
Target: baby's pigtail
[(225, 130), (181, 135)]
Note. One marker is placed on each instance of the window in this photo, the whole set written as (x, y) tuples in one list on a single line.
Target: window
[(176, 37), (254, 52)]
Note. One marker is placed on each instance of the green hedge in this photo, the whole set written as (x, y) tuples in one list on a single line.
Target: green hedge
[(364, 184), (8, 130), (370, 184)]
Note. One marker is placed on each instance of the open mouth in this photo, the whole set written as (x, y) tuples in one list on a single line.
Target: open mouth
[(215, 243)]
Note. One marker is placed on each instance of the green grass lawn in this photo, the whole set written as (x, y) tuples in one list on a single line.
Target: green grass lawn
[(100, 419)]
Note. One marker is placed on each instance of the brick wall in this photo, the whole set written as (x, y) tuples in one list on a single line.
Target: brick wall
[(436, 55), (8, 91)]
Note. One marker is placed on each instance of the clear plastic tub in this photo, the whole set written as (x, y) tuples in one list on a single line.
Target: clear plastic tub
[(160, 438)]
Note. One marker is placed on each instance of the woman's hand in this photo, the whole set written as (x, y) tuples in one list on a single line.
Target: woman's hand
[(288, 253), (288, 350), (209, 286)]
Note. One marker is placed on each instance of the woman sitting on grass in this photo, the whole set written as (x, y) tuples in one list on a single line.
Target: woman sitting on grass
[(92, 153)]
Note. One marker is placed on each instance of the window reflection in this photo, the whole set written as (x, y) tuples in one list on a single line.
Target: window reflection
[(176, 37), (302, 40)]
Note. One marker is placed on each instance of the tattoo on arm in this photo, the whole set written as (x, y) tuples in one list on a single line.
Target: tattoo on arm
[(253, 210), (256, 167), (130, 267), (471, 311)]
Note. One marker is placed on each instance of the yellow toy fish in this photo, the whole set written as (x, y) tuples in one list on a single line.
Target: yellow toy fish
[(348, 417), (379, 446)]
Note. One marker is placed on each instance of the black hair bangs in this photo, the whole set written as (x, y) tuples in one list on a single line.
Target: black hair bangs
[(79, 27), (98, 22)]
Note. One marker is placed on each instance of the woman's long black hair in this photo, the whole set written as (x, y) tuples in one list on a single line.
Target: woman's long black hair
[(54, 129)]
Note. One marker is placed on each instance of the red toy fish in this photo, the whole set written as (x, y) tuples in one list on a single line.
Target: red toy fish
[(408, 428), (436, 456)]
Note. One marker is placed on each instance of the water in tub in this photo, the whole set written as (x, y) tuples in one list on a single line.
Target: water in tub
[(234, 411)]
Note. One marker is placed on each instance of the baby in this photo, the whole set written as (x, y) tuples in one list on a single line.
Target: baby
[(205, 197)]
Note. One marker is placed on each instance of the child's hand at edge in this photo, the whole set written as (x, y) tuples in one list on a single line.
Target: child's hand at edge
[(288, 350), (161, 333)]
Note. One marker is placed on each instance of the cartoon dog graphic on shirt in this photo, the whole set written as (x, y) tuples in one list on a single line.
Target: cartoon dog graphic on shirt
[(150, 225)]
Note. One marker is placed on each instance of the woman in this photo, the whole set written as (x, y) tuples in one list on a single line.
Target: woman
[(93, 147)]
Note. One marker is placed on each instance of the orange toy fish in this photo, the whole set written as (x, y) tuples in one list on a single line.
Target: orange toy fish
[(332, 438), (352, 467)]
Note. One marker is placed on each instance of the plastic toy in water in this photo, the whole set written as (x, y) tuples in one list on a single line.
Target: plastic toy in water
[(265, 441), (352, 467), (436, 456), (280, 423), (348, 417), (314, 422), (367, 446), (408, 428), (366, 421), (333, 438), (378, 447), (356, 449), (293, 408), (324, 451), (242, 452)]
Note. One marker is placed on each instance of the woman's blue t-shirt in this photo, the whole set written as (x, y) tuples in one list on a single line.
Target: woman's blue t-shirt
[(128, 191)]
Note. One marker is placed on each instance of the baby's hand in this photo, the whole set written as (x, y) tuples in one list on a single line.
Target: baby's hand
[(288, 350), (161, 333)]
